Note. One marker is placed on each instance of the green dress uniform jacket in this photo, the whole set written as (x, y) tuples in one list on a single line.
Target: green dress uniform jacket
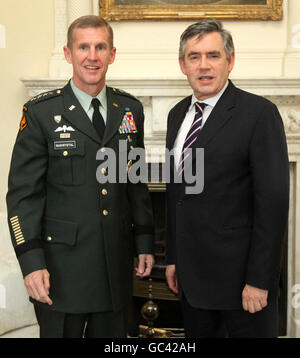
[(61, 218)]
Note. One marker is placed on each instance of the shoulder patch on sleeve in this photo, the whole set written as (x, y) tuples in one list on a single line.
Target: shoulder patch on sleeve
[(123, 93), (44, 96), (23, 122)]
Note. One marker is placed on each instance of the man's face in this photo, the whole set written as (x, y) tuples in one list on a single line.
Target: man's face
[(205, 65), (90, 56)]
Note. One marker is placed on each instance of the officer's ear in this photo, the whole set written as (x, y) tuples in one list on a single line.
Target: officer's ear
[(68, 54)]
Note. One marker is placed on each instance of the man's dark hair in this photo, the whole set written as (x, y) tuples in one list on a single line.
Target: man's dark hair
[(202, 28), (84, 22)]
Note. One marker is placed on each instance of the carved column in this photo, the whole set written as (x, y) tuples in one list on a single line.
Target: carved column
[(61, 25), (95, 7), (66, 11), (77, 8), (292, 56)]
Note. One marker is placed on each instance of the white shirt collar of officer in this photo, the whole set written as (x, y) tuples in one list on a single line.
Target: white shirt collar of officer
[(85, 100)]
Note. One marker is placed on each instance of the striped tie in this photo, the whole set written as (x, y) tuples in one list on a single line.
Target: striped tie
[(192, 134)]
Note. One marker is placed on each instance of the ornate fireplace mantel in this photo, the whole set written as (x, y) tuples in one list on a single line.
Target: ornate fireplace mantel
[(159, 96)]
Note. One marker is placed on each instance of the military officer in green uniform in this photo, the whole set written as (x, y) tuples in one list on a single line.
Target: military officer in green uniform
[(75, 237)]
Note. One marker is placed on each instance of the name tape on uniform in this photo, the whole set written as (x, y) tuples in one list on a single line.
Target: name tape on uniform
[(71, 144)]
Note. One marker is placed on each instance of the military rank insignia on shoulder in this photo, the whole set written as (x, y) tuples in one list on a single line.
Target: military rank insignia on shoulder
[(123, 93), (37, 99), (43, 96)]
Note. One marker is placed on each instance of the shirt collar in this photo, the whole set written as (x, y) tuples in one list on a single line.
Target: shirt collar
[(85, 99), (212, 101)]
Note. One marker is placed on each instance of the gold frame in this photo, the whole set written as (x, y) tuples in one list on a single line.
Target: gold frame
[(111, 12)]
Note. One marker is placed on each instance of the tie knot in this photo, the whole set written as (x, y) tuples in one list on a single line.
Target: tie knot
[(96, 103), (200, 106)]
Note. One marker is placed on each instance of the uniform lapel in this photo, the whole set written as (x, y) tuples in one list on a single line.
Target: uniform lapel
[(75, 114), (115, 113)]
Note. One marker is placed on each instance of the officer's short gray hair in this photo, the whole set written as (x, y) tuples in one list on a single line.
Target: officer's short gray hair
[(202, 28), (84, 22)]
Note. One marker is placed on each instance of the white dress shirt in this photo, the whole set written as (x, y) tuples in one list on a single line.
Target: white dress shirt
[(189, 118)]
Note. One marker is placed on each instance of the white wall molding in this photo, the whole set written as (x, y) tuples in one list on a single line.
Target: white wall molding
[(159, 95), (281, 86)]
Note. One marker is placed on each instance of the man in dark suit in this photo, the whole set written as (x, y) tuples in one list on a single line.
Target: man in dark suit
[(224, 244), (74, 235)]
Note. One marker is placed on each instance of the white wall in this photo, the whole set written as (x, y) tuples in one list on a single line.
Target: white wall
[(29, 42), (155, 46)]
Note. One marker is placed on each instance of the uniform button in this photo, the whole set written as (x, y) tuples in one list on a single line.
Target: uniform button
[(105, 212), (102, 149), (65, 153), (104, 192), (103, 171), (49, 238)]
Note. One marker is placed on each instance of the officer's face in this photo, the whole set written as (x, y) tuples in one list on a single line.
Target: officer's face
[(205, 64), (90, 56)]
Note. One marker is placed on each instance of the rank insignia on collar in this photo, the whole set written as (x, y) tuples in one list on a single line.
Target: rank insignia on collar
[(128, 124)]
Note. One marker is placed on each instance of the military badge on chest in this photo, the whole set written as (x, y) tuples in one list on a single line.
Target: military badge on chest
[(128, 124), (64, 132)]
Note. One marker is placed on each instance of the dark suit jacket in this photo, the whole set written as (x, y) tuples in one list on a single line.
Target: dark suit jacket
[(231, 233), (56, 206)]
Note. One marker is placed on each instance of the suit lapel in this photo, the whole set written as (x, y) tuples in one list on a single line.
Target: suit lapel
[(174, 126), (219, 116), (75, 114), (176, 122)]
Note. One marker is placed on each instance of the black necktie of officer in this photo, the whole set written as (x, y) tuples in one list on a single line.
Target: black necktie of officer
[(98, 120)]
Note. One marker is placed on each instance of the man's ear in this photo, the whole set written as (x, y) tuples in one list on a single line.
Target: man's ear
[(112, 55), (231, 62), (182, 65), (68, 54)]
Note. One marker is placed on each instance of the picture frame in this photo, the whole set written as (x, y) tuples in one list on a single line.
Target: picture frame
[(160, 10)]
